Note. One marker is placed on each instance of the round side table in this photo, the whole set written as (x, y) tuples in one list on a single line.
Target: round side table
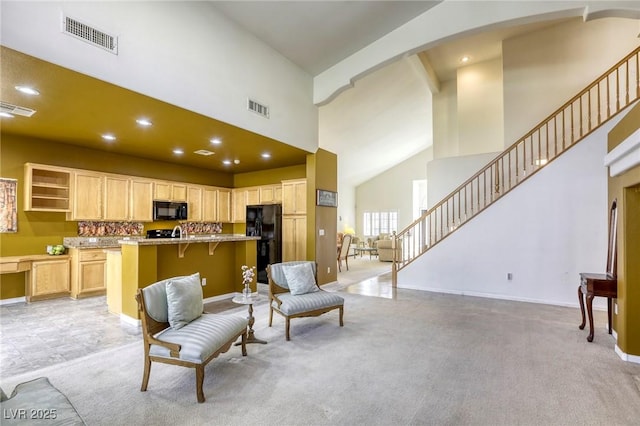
[(242, 300)]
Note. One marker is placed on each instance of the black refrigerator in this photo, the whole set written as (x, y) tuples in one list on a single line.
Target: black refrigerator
[(265, 221)]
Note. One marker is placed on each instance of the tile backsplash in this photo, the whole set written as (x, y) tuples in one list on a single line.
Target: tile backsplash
[(105, 229)]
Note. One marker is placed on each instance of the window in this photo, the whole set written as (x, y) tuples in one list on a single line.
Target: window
[(376, 223)]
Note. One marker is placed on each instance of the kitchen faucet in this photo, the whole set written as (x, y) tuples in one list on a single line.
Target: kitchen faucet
[(177, 228)]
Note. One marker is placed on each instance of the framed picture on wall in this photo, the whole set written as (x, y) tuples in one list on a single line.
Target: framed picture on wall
[(326, 198), (8, 205)]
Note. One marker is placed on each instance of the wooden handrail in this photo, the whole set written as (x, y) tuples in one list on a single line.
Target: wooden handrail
[(537, 148)]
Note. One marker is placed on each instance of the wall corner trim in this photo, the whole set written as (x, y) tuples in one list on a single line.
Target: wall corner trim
[(624, 156), (626, 357)]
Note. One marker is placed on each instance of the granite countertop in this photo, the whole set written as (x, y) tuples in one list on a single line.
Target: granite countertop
[(96, 242), (216, 238)]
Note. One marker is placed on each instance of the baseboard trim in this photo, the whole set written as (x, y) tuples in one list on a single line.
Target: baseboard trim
[(501, 297), (126, 319), (219, 298), (626, 357), (13, 300)]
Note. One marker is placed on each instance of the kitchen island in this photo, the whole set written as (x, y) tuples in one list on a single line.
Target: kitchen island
[(218, 258)]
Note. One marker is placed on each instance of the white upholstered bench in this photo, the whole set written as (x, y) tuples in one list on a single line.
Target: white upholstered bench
[(294, 293), (176, 331)]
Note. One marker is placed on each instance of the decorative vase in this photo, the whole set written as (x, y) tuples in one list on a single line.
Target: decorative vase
[(246, 291)]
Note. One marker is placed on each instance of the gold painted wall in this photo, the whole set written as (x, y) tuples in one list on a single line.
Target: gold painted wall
[(36, 230), (322, 174), (271, 176), (626, 189)]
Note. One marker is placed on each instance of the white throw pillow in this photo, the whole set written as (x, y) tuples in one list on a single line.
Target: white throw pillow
[(300, 279), (184, 300)]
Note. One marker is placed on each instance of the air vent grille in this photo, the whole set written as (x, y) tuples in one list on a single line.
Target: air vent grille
[(91, 35), (203, 152), (16, 110), (258, 108)]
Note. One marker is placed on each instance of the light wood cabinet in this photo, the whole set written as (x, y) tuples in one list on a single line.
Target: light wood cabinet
[(271, 194), (294, 238), (46, 188), (294, 196), (116, 198), (88, 272), (209, 204), (141, 200), (243, 197), (48, 278), (88, 189), (194, 203), (224, 205), (169, 191)]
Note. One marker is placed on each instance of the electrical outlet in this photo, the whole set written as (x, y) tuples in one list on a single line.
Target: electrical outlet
[(93, 240), (204, 282), (321, 232), (328, 269)]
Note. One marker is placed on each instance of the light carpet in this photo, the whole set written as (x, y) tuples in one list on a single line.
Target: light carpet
[(423, 358)]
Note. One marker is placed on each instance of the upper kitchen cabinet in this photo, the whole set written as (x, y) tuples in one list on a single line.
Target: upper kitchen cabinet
[(141, 200), (209, 204), (194, 203), (224, 205), (116, 198), (169, 191), (294, 196), (271, 194), (243, 197), (46, 188), (124, 199), (87, 195)]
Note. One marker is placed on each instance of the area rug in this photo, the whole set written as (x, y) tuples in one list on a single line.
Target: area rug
[(423, 358)]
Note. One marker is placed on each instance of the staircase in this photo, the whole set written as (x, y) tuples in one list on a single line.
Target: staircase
[(607, 96)]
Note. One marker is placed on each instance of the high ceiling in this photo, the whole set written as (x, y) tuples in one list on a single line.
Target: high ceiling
[(316, 35), (77, 109)]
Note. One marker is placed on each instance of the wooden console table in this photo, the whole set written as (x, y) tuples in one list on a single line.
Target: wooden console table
[(592, 285)]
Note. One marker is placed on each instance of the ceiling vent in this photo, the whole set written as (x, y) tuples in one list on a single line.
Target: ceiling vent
[(91, 35), (203, 152), (16, 110), (258, 108)]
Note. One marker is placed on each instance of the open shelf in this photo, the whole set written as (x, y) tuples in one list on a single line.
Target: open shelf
[(47, 189)]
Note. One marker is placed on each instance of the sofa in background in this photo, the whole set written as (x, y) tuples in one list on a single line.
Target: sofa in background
[(385, 250)]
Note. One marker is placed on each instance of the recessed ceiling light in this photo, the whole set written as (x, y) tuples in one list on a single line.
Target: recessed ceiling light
[(6, 115), (226, 162), (27, 90), (236, 161), (108, 137), (215, 141), (178, 151), (465, 59), (265, 155), (144, 122)]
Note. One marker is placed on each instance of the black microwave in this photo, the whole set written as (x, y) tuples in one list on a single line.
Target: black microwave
[(169, 210)]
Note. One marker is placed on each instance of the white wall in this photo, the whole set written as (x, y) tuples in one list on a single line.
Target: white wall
[(392, 190), (183, 53), (446, 174), (445, 120), (556, 63), (545, 232), (480, 108), (450, 19)]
